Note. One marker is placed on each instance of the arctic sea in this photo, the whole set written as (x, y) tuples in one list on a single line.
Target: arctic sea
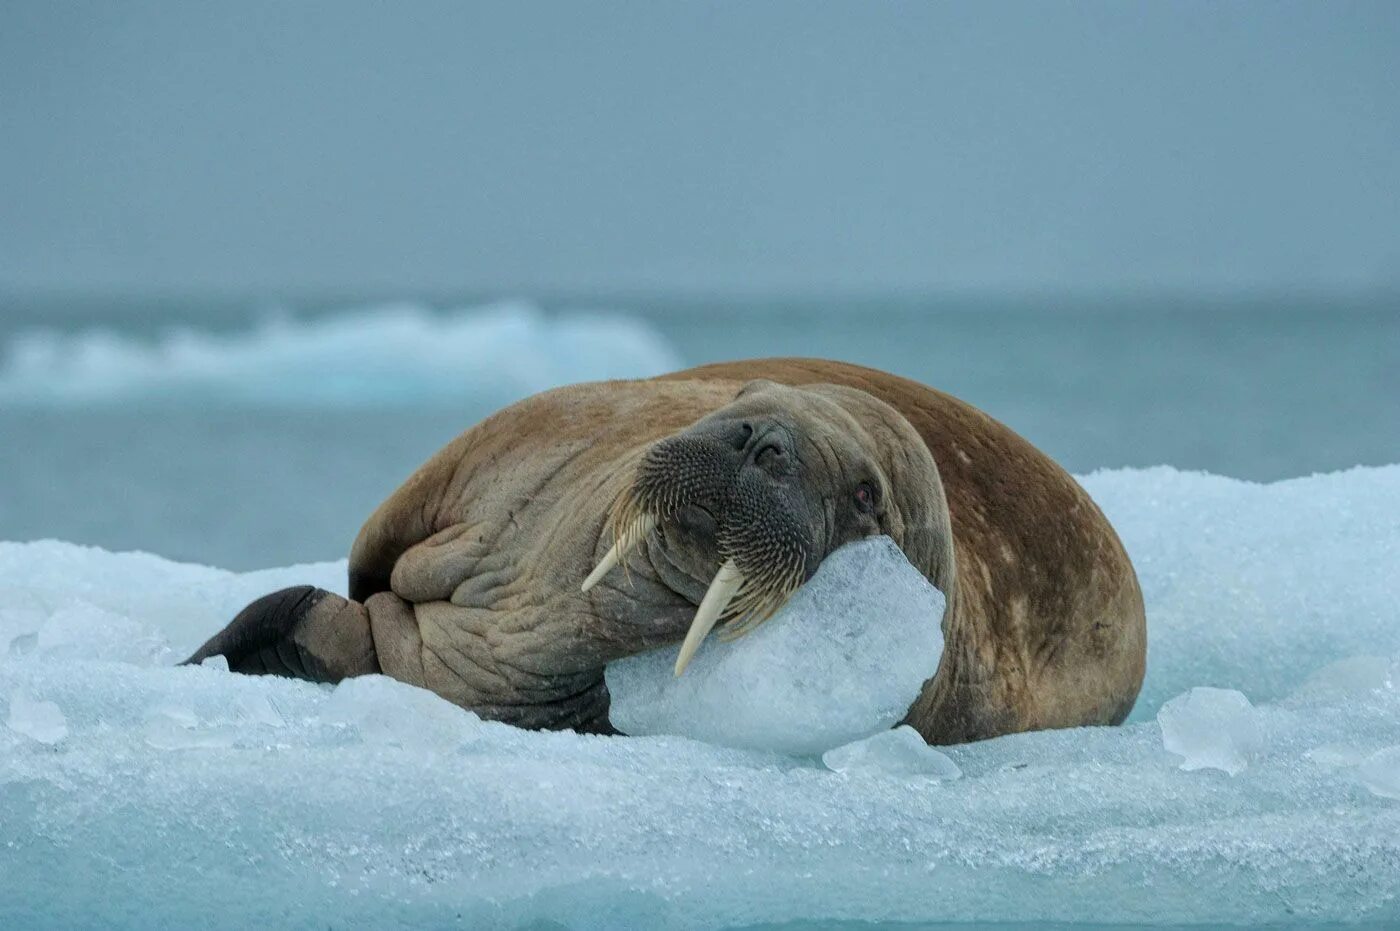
[(1257, 781), (247, 434)]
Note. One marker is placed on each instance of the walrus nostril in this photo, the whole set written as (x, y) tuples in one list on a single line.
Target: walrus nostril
[(742, 437), (769, 455)]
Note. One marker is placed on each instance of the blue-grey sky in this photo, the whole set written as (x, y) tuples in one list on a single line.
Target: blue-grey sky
[(706, 147)]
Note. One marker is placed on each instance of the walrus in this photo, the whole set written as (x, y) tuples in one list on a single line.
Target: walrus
[(599, 520)]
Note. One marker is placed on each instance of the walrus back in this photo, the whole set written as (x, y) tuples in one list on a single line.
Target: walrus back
[(1046, 628)]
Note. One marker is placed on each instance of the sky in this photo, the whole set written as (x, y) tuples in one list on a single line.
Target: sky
[(697, 148)]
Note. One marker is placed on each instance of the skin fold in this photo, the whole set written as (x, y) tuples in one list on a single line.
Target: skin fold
[(468, 579)]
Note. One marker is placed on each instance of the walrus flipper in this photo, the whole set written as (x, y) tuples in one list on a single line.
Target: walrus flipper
[(301, 633)]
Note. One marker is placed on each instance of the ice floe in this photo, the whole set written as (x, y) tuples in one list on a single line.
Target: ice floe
[(191, 797)]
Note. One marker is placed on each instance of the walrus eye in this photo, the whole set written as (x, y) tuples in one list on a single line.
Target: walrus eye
[(865, 497)]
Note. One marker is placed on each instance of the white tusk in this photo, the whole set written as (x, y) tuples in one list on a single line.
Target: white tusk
[(726, 582), (615, 554)]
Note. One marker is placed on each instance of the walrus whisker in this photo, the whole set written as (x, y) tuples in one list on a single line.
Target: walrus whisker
[(727, 581), (754, 596), (626, 514), (627, 537), (761, 605)]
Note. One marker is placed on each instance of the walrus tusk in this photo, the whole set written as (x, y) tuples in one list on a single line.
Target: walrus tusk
[(618, 551), (721, 591)]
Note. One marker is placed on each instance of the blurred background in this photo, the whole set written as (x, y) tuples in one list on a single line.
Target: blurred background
[(258, 260)]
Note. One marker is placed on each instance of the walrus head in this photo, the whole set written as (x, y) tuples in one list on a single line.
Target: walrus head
[(741, 507)]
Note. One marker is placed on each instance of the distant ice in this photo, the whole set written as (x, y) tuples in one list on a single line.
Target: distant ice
[(1211, 729), (189, 797), (386, 356), (843, 659)]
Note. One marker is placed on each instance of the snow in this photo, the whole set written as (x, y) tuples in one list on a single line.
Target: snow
[(387, 356), (843, 659), (1211, 729), (191, 797)]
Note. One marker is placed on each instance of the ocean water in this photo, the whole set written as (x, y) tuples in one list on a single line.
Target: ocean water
[(244, 435)]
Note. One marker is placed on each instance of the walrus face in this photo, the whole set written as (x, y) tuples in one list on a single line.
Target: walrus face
[(745, 504)]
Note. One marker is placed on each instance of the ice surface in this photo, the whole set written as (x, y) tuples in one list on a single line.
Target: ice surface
[(1255, 587), (178, 800), (1211, 729), (1380, 772), (843, 659), (383, 711), (382, 356), (40, 720), (897, 752)]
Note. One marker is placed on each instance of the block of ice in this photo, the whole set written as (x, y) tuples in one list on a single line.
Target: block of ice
[(1333, 755), (38, 720), (897, 752), (843, 659), (171, 728), (1211, 729), (352, 814), (24, 644), (384, 711), (84, 630), (1355, 675)]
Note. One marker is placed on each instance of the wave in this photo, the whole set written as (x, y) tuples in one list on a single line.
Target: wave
[(390, 355)]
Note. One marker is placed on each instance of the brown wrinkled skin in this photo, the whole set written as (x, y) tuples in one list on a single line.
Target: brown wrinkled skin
[(470, 572)]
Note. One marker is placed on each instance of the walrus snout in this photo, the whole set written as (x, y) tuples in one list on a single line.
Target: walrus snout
[(692, 470), (698, 521), (721, 489)]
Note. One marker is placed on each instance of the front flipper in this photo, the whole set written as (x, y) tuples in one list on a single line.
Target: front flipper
[(302, 633)]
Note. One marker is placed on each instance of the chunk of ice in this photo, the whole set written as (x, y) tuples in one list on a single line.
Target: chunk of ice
[(1211, 729), (1333, 755), (24, 644), (1354, 675), (386, 711), (1380, 772), (180, 729), (81, 630), (37, 720), (899, 752), (844, 658), (258, 710)]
